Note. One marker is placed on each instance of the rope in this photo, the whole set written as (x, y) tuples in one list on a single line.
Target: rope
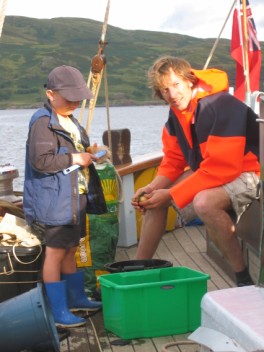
[(177, 343), (95, 334), (85, 100), (120, 188), (17, 211), (105, 22), (2, 15), (35, 228), (108, 116), (96, 83), (96, 73), (13, 209), (217, 40), (12, 270), (95, 77), (25, 263)]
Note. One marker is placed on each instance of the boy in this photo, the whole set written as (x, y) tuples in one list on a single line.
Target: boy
[(55, 142)]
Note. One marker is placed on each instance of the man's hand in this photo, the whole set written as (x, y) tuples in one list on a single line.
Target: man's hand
[(142, 200), (140, 196), (157, 199)]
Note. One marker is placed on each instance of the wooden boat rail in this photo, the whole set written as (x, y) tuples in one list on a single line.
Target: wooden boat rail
[(140, 163)]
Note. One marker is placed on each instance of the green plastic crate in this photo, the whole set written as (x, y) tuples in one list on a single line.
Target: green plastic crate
[(155, 302)]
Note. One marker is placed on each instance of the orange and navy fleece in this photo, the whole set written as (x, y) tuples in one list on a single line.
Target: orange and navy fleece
[(218, 138)]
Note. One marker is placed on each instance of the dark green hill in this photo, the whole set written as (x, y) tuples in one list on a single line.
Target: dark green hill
[(30, 48)]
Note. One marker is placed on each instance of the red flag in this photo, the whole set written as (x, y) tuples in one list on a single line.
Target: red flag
[(254, 52)]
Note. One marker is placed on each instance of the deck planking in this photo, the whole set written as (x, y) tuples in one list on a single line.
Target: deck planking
[(183, 247)]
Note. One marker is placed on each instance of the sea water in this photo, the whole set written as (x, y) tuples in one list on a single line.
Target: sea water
[(144, 122)]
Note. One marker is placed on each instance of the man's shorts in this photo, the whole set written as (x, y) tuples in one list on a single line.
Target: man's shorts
[(242, 191), (67, 236)]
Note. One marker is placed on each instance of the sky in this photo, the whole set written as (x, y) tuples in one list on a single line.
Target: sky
[(197, 18)]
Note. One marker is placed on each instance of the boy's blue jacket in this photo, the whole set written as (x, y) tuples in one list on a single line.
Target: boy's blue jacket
[(50, 197)]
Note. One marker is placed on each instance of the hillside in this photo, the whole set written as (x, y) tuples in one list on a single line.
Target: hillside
[(30, 48)]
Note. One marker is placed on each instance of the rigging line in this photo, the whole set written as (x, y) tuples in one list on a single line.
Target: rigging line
[(85, 100), (108, 115), (96, 79), (217, 40), (105, 22), (2, 15), (96, 73)]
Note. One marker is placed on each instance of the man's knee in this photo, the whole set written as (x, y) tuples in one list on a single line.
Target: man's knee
[(200, 204)]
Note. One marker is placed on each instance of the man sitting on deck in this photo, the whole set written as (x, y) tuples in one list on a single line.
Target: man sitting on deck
[(217, 137)]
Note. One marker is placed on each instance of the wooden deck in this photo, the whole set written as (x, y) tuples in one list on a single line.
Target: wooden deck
[(184, 247)]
